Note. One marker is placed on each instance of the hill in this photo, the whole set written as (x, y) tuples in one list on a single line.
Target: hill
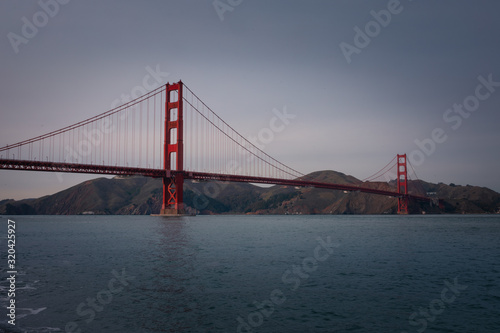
[(141, 195)]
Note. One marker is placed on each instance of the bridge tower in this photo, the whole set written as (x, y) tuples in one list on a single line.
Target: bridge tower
[(402, 183), (173, 159)]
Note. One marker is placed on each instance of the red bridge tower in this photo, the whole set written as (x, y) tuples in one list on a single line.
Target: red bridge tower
[(402, 183), (173, 183)]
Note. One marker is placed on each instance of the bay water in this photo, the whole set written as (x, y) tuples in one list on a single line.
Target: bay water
[(238, 273)]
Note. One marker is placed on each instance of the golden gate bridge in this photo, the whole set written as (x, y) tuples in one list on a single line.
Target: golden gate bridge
[(170, 133)]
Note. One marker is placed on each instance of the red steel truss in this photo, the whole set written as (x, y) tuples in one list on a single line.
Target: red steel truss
[(173, 174)]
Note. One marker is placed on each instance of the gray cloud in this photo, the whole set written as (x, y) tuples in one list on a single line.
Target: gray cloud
[(266, 54)]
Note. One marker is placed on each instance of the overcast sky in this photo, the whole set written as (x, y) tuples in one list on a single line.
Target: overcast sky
[(365, 79)]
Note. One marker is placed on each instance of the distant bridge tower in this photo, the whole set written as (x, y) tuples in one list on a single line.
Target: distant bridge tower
[(402, 182), (173, 158)]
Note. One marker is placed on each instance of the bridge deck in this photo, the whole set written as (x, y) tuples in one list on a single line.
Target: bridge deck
[(159, 173)]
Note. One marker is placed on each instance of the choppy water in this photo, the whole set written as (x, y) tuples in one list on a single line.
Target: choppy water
[(254, 274)]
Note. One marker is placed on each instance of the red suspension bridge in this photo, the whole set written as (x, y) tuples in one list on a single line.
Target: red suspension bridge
[(171, 134)]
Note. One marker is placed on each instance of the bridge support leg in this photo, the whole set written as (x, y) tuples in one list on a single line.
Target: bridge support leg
[(172, 196), (403, 205), (402, 183)]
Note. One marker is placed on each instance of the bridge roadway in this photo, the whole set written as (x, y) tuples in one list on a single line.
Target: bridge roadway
[(27, 165)]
